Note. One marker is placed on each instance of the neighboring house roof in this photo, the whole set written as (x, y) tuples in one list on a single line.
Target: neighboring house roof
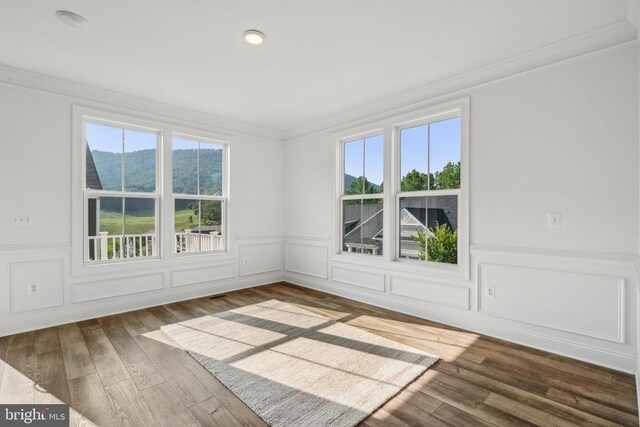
[(362, 224), (430, 217), (205, 229), (93, 179)]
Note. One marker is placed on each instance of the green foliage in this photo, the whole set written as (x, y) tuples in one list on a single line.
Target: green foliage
[(415, 181), (211, 212), (448, 177), (140, 167), (361, 185), (441, 246), (421, 239)]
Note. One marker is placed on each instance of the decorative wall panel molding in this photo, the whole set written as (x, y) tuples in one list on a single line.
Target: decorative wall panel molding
[(36, 284), (95, 290), (201, 275), (435, 293), (358, 277), (587, 304)]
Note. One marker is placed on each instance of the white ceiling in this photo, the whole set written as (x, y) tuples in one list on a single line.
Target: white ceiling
[(321, 58)]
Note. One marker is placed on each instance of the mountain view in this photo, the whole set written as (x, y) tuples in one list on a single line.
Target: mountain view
[(140, 176)]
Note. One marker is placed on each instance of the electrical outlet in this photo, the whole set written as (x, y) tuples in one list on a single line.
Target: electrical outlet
[(21, 220), (245, 261), (554, 220), (32, 288), (489, 292)]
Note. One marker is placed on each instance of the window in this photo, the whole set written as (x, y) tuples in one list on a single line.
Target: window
[(402, 191), (143, 190), (198, 199), (121, 192), (429, 196), (361, 199)]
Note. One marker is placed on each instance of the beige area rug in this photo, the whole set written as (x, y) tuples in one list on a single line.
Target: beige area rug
[(294, 367)]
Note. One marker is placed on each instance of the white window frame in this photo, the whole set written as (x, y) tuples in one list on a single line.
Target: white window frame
[(90, 193), (164, 187), (390, 128), (223, 198), (341, 188)]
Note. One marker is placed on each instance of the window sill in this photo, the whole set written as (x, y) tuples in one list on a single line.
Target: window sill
[(435, 270)]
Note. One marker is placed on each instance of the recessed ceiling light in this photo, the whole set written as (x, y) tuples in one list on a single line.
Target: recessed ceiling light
[(72, 19), (254, 37)]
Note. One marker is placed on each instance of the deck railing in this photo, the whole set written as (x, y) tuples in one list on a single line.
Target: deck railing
[(105, 247), (196, 242)]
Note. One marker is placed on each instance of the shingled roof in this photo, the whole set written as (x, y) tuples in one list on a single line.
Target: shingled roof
[(93, 179)]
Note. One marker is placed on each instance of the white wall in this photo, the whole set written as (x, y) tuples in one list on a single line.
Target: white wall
[(563, 138), (35, 179)]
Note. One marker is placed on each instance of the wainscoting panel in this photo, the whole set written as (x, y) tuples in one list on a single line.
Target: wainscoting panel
[(587, 304), (306, 258), (357, 277), (435, 293), (260, 257), (201, 275), (37, 284), (88, 291)]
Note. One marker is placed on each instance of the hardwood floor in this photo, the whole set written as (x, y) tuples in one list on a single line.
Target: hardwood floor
[(122, 370)]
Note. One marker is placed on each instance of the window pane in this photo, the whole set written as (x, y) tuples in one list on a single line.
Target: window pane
[(104, 221), (185, 166), (198, 225), (444, 154), (140, 161), (211, 169), (362, 231), (104, 157), (374, 164), (429, 228), (354, 167), (140, 216), (414, 156)]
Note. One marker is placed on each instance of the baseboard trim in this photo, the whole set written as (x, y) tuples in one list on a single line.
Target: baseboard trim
[(144, 301), (473, 322)]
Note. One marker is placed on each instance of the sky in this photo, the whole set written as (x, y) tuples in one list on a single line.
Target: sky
[(437, 143), (109, 139)]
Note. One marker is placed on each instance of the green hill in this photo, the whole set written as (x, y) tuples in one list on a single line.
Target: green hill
[(141, 172)]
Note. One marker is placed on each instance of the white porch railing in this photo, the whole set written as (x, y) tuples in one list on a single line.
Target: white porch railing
[(196, 242), (105, 247)]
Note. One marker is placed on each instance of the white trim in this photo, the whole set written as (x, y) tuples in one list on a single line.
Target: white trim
[(163, 195), (618, 35), (620, 337), (62, 246), (469, 321), (119, 304), (390, 128), (82, 93), (596, 256)]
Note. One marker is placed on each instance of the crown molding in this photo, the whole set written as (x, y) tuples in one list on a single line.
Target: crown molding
[(619, 34), (79, 91)]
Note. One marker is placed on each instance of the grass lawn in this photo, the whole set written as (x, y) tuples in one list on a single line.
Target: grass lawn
[(112, 222)]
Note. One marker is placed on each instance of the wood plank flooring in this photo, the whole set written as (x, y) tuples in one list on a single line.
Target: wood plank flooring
[(122, 370)]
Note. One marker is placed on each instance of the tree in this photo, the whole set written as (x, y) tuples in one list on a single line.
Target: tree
[(449, 177), (421, 239), (211, 212), (415, 181), (359, 184), (440, 246)]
